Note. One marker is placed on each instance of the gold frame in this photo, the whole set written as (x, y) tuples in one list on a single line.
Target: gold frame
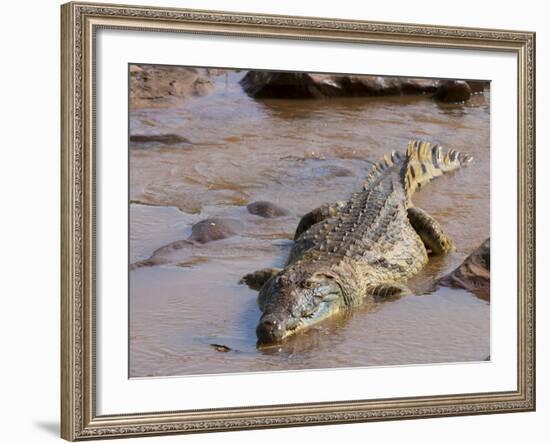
[(79, 22)]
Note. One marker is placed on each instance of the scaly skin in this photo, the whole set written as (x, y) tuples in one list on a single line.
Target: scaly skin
[(364, 248)]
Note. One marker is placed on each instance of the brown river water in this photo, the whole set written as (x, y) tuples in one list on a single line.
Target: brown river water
[(298, 154)]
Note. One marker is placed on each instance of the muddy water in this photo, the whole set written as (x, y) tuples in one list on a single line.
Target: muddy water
[(299, 155)]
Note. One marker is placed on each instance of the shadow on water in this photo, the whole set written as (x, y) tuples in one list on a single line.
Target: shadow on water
[(248, 319), (309, 340), (312, 108), (344, 107), (323, 336)]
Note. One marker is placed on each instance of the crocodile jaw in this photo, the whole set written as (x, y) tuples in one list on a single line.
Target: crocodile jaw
[(326, 310), (277, 326)]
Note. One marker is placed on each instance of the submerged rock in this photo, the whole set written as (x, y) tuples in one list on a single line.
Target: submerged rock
[(205, 231), (298, 85), (220, 348), (453, 91), (266, 209), (333, 171), (213, 229), (167, 139), (474, 274)]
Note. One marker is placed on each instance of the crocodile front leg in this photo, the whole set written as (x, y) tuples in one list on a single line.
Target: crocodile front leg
[(430, 231), (388, 291), (319, 214), (255, 280)]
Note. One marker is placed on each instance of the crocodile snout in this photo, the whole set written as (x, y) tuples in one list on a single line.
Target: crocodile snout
[(270, 329)]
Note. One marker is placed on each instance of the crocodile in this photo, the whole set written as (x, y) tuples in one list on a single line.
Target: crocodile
[(364, 248)]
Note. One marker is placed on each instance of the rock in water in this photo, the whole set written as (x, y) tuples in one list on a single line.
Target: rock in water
[(166, 139), (453, 91), (202, 232), (330, 171), (285, 85), (266, 209), (478, 86), (474, 274), (214, 229), (220, 348), (298, 85)]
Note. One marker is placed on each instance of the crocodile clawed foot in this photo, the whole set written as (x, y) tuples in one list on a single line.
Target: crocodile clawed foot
[(255, 280), (389, 291), (434, 238)]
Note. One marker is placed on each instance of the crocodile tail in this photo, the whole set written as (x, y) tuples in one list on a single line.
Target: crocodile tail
[(377, 169), (424, 162)]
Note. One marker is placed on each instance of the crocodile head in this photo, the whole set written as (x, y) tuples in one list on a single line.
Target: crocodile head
[(293, 301)]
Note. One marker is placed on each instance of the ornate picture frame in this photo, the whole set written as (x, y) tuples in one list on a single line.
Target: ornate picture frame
[(80, 22)]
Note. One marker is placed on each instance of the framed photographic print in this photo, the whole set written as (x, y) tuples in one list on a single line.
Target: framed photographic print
[(280, 221)]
